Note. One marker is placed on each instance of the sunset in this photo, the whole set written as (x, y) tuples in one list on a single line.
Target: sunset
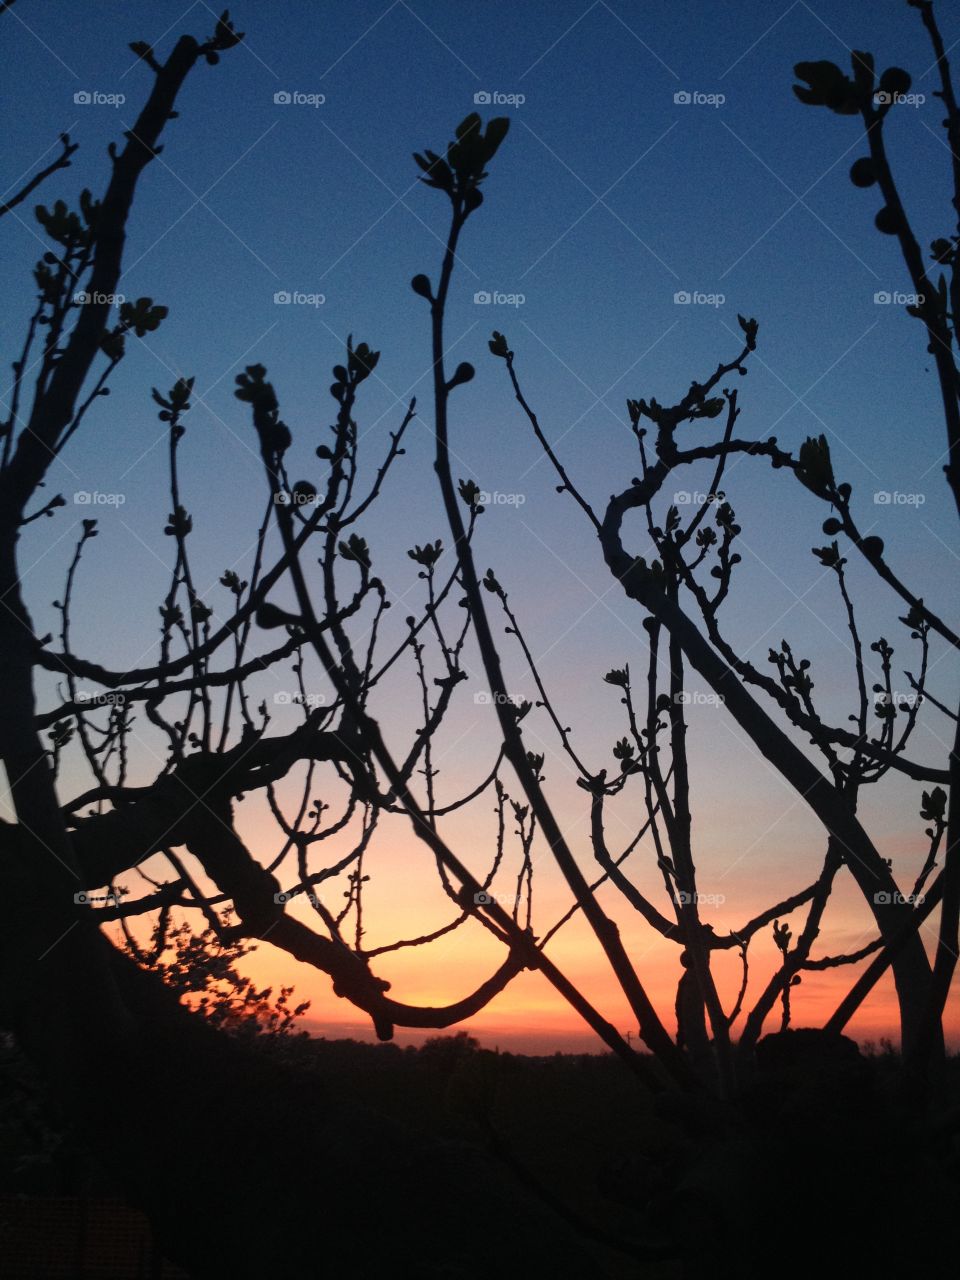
[(478, 499)]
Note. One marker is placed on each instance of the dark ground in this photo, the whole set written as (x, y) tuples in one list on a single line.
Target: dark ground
[(821, 1144)]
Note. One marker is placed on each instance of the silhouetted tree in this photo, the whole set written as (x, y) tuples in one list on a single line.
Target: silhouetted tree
[(104, 1027)]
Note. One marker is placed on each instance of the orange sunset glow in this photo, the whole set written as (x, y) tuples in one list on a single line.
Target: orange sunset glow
[(530, 1017)]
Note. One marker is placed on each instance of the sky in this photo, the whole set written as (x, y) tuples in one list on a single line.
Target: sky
[(656, 154)]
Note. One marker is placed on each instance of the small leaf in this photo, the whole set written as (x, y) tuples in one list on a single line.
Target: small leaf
[(355, 548), (618, 676), (826, 86), (498, 345), (815, 468)]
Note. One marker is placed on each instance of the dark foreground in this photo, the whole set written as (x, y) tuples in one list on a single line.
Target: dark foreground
[(556, 1166)]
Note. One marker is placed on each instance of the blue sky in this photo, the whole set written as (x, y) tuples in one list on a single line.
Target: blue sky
[(608, 198)]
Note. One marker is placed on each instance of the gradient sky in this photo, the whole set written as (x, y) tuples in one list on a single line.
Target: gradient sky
[(608, 198)]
